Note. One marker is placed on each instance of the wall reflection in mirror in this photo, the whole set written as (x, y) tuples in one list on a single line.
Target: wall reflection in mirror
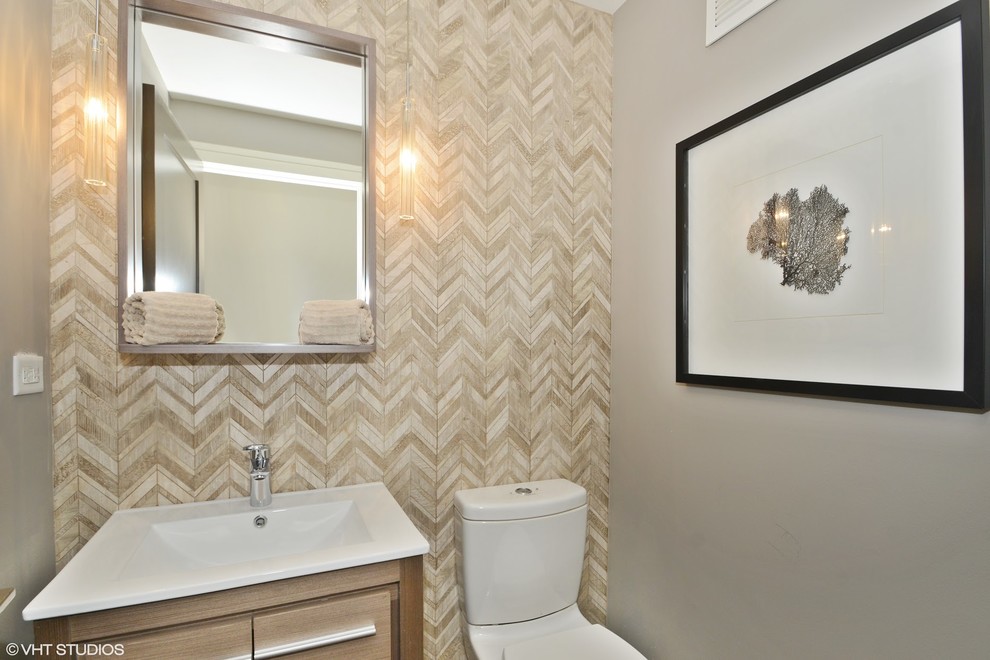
[(249, 183)]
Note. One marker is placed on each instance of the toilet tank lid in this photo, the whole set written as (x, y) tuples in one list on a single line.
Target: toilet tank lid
[(520, 501)]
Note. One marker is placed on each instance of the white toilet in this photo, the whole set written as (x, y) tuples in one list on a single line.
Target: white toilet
[(520, 551)]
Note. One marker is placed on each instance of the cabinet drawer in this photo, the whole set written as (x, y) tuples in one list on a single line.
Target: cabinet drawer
[(228, 639), (356, 627)]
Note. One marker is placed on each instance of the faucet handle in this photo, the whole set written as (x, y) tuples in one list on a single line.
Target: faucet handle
[(258, 454)]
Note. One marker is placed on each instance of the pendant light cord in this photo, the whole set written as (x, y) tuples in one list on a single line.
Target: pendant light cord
[(408, 48), (96, 30)]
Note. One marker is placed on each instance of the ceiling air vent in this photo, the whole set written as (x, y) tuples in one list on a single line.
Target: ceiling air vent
[(726, 15)]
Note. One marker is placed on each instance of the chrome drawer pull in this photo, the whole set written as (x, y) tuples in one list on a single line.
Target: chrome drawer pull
[(316, 642)]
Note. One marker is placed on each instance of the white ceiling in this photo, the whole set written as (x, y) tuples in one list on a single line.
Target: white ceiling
[(232, 72), (608, 6)]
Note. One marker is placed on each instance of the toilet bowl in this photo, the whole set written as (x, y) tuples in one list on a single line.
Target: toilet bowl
[(520, 549)]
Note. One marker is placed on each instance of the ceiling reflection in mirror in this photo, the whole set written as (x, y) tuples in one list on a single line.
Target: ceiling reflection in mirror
[(249, 171)]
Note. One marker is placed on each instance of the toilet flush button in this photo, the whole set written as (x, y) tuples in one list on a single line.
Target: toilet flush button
[(523, 491)]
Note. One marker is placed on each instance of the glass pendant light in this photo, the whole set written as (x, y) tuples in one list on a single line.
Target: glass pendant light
[(95, 109)]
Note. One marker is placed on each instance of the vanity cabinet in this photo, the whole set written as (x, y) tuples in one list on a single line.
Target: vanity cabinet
[(372, 612)]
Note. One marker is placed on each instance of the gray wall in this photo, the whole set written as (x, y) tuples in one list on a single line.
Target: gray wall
[(270, 246), (27, 553), (750, 525)]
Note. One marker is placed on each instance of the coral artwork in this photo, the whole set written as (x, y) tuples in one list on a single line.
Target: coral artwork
[(805, 238)]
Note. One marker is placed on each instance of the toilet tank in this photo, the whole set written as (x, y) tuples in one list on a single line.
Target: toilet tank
[(521, 549)]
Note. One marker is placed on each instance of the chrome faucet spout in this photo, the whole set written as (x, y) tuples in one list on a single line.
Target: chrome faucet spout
[(261, 489), (261, 485)]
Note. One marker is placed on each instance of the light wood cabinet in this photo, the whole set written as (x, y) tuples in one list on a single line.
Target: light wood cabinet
[(228, 638), (354, 626), (370, 612)]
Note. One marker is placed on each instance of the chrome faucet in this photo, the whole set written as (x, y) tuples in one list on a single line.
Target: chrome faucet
[(261, 472)]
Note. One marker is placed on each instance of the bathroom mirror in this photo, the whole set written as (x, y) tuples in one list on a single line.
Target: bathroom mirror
[(248, 172)]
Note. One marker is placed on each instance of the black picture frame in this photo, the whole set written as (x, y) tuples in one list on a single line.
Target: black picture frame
[(713, 347)]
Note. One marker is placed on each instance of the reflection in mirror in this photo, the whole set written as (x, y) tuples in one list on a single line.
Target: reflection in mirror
[(250, 179)]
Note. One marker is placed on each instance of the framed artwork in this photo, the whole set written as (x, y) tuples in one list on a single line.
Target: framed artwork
[(832, 239)]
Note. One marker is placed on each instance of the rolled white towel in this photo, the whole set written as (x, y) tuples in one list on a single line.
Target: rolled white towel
[(163, 317), (336, 322)]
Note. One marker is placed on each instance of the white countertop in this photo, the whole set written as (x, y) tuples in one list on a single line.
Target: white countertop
[(143, 555)]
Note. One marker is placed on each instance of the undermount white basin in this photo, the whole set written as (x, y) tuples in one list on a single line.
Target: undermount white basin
[(158, 553)]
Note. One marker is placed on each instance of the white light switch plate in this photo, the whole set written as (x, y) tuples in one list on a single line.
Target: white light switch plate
[(29, 374)]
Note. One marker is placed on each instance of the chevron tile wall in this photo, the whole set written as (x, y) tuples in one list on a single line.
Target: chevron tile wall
[(493, 340)]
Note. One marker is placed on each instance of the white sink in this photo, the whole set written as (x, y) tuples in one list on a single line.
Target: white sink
[(232, 538), (157, 553)]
